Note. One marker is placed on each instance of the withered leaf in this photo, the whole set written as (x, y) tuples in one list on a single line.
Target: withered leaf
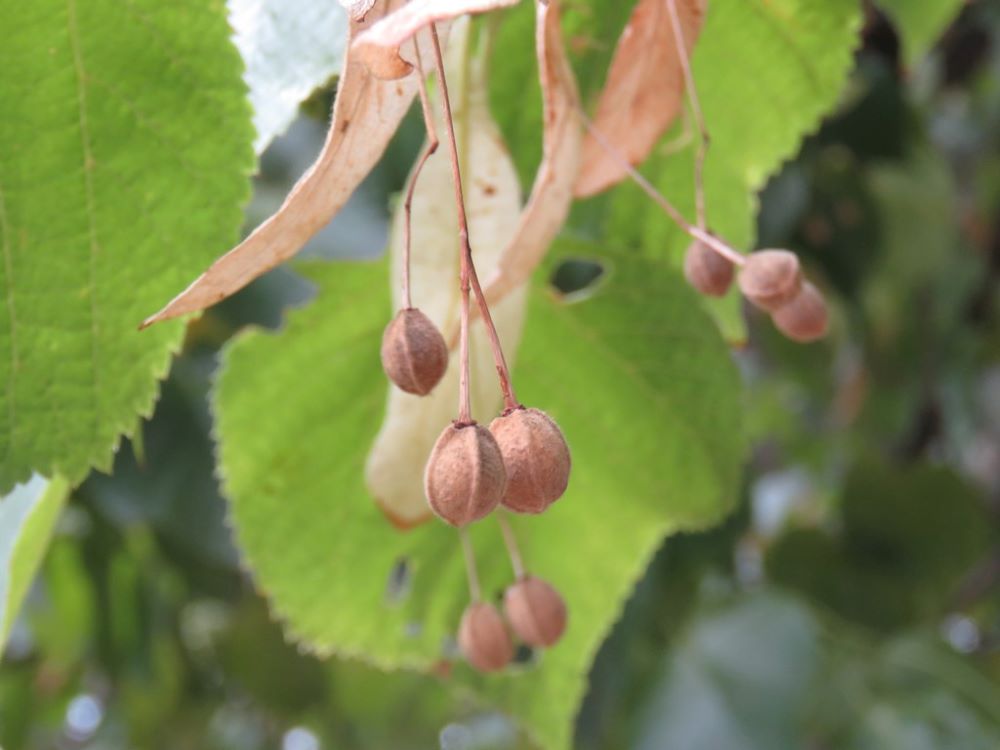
[(378, 48), (643, 92), (366, 114)]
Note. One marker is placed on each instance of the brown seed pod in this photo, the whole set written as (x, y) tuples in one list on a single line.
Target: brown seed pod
[(804, 318), (483, 638), (706, 270), (465, 477), (770, 278), (535, 611), (414, 353), (535, 456)]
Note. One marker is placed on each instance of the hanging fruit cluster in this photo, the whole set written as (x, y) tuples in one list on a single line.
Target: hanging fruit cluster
[(520, 463)]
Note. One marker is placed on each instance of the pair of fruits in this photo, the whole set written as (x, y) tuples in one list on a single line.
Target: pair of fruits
[(535, 612), (771, 280)]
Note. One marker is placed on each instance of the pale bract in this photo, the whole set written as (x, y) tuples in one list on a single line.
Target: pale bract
[(395, 467), (366, 114), (643, 92)]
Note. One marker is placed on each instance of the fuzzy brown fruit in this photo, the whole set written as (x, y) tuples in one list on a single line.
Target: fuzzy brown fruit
[(804, 318), (535, 456), (706, 270), (483, 638), (465, 476), (414, 353), (535, 611), (770, 278)]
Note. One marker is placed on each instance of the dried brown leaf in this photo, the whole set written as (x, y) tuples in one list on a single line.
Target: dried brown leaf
[(378, 48), (366, 114), (552, 192), (643, 92)]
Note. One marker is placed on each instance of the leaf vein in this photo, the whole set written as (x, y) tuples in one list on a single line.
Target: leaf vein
[(88, 182), (11, 313)]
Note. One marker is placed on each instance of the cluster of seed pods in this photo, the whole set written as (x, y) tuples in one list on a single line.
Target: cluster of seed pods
[(771, 279), (520, 463)]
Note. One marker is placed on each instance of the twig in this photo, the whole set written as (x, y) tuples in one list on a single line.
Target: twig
[(470, 564), (697, 233), (692, 92), (516, 561), (432, 145), (468, 269)]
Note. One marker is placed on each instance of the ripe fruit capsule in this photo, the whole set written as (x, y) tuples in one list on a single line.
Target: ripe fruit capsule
[(535, 611), (804, 318), (770, 278), (465, 477), (483, 638), (414, 353), (535, 456), (706, 270)]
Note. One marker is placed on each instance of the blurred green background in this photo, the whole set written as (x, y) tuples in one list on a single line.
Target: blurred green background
[(853, 600)]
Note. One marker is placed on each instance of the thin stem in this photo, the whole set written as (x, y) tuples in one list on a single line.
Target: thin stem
[(432, 145), (697, 233), (516, 561), (468, 274), (692, 91), (475, 592), (464, 399), (510, 401)]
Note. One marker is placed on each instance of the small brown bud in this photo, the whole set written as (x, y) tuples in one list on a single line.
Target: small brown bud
[(414, 353), (706, 270), (465, 476), (483, 638), (770, 278), (535, 456), (535, 611), (804, 318)]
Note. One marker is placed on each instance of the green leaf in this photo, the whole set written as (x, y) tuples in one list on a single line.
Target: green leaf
[(27, 517), (290, 48), (920, 23), (124, 152), (649, 401)]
